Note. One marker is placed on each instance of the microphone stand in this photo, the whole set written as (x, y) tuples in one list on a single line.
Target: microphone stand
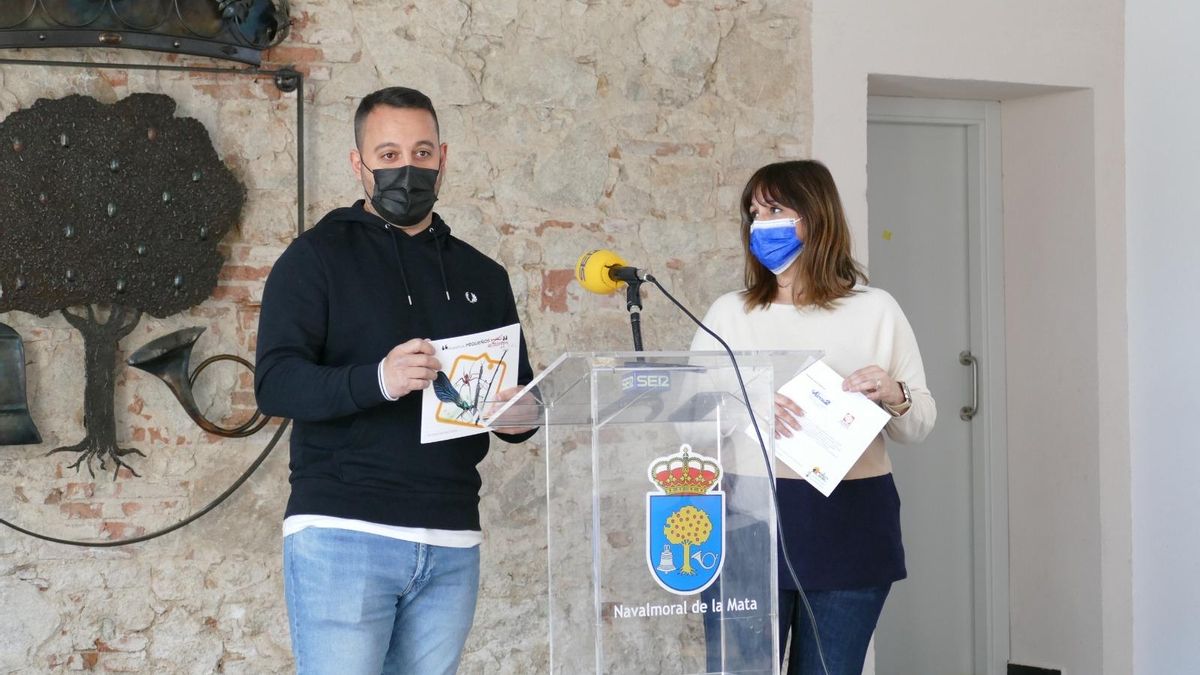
[(633, 303)]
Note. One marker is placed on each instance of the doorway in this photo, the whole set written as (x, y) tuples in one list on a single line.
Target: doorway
[(936, 244)]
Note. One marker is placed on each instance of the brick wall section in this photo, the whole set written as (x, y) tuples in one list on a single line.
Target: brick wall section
[(628, 124)]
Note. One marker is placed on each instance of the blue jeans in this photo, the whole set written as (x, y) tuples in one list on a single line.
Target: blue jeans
[(846, 621), (362, 604)]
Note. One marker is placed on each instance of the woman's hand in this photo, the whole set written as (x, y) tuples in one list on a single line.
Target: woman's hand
[(874, 383), (787, 416)]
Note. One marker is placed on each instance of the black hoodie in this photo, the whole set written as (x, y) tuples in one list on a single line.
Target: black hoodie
[(337, 301)]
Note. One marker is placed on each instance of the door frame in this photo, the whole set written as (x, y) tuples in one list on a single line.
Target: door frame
[(985, 259)]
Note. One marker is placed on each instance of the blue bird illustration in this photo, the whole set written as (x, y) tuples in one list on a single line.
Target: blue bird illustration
[(446, 393)]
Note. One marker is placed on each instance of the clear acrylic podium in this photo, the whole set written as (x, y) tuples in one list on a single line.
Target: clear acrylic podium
[(660, 524)]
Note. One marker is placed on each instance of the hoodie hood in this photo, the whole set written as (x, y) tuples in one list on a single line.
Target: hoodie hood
[(357, 214), (435, 235)]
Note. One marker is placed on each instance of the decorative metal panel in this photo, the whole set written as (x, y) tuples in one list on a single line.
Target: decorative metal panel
[(237, 30), (112, 210)]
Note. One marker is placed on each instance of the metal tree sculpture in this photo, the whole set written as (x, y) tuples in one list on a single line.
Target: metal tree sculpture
[(109, 211)]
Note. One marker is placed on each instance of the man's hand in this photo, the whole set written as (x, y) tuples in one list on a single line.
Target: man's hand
[(409, 367), (524, 412)]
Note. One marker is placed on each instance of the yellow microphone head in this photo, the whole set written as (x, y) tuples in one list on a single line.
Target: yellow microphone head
[(591, 271)]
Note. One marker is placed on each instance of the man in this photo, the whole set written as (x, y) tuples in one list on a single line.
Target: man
[(381, 533)]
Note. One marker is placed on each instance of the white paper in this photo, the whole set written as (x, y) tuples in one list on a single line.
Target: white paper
[(474, 368), (835, 430)]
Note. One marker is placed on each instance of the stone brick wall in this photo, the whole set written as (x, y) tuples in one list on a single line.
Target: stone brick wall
[(628, 124)]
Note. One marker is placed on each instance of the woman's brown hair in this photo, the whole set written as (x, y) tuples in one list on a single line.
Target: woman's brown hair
[(826, 270)]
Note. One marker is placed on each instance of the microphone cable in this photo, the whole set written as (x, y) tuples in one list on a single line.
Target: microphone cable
[(766, 462)]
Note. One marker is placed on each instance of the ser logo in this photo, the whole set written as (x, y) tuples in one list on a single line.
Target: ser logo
[(646, 381)]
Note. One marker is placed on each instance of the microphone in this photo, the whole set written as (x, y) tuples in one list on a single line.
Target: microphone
[(604, 272)]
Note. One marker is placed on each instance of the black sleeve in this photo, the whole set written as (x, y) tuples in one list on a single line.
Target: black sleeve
[(289, 379), (524, 370)]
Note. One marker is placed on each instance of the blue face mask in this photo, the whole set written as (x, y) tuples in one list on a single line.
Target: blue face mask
[(775, 244)]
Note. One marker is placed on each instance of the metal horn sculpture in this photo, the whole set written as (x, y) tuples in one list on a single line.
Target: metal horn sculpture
[(16, 424), (168, 358)]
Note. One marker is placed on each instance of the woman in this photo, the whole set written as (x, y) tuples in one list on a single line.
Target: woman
[(805, 291)]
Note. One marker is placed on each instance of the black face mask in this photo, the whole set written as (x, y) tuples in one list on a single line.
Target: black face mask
[(405, 195)]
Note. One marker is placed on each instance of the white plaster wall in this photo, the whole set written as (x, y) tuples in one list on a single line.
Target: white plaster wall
[(1054, 524), (1069, 43), (1164, 319)]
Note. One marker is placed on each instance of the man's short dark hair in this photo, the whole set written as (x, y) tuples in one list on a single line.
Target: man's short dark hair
[(396, 97)]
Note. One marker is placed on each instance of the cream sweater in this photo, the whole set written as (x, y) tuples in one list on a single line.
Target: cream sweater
[(865, 328)]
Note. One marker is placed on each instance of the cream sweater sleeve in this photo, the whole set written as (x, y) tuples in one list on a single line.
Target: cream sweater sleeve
[(906, 366)]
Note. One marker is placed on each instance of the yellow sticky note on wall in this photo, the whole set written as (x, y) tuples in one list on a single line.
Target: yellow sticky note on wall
[(887, 235)]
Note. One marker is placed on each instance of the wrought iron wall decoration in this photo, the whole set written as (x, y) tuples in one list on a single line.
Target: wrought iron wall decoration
[(112, 210), (287, 80), (237, 30), (16, 424), (168, 359)]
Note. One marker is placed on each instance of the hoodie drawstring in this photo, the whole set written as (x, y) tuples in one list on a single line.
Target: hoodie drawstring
[(400, 264), (437, 239)]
